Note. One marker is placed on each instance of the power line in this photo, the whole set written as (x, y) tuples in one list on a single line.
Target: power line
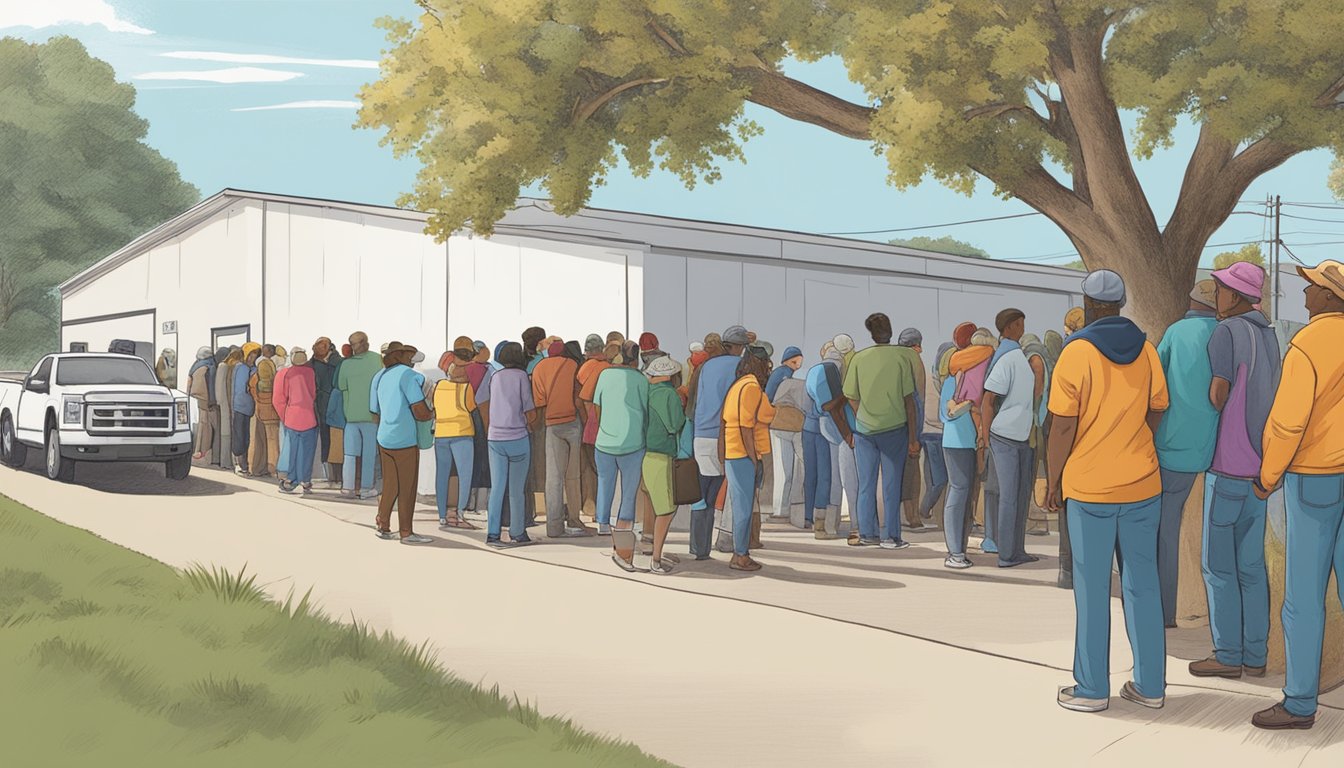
[(1316, 205), (1075, 253), (935, 226), (1309, 218)]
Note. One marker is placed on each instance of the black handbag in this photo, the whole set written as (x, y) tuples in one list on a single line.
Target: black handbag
[(685, 481)]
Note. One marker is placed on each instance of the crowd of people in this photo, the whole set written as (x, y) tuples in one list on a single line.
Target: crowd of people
[(1119, 428)]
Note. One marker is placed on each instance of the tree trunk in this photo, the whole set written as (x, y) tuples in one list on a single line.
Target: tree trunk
[(1157, 283)]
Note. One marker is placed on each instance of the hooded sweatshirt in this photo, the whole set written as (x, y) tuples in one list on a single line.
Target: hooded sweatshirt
[(1118, 339)]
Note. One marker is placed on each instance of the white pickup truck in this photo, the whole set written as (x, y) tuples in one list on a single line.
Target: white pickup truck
[(94, 407)]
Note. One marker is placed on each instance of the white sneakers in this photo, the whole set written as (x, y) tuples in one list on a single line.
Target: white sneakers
[(1069, 700)]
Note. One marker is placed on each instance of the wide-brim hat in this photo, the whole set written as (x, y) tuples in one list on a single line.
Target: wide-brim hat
[(1244, 278), (1204, 293), (394, 347), (662, 366), (1329, 274)]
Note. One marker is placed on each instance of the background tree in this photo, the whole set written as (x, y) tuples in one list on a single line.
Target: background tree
[(1336, 180), (1249, 253), (494, 96), (943, 244), (77, 182)]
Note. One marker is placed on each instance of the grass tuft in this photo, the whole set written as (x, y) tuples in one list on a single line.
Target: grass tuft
[(229, 587), (72, 609)]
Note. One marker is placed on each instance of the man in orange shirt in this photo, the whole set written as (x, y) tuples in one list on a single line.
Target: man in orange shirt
[(1107, 398), (744, 443), (554, 390), (1303, 451)]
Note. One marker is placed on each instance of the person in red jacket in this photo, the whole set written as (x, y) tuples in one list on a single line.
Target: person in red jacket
[(295, 401)]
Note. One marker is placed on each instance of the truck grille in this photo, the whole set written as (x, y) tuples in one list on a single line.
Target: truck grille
[(129, 419)]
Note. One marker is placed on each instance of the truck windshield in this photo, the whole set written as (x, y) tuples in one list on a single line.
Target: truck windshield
[(77, 371)]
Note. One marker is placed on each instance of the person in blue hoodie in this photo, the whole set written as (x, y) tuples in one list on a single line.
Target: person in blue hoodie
[(1107, 399), (243, 407)]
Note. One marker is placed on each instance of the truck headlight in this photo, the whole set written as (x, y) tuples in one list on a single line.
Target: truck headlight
[(183, 415), (73, 410)]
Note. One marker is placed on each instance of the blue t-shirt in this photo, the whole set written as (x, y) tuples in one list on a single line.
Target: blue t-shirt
[(391, 395), (777, 377), (958, 432), (242, 399), (1189, 429), (820, 390), (716, 378)]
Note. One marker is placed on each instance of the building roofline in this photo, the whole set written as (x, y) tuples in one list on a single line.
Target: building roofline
[(219, 201)]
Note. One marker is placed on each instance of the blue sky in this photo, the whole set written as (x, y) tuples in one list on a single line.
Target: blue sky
[(319, 52)]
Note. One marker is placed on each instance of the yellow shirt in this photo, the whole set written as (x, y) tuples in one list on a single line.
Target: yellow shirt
[(1305, 431), (1114, 460), (746, 407), (453, 403)]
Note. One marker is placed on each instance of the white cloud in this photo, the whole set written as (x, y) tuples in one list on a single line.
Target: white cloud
[(230, 75), (56, 13), (319, 104), (261, 58)]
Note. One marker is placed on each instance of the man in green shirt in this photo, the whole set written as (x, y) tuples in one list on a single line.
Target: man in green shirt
[(355, 381), (880, 384), (663, 429)]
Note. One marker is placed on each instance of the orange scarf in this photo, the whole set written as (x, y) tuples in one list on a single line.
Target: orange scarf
[(965, 359)]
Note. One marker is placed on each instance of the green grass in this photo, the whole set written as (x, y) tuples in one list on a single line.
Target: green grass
[(110, 658)]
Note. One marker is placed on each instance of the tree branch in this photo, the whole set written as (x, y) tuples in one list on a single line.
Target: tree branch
[(800, 101), (666, 37), (1039, 189), (586, 109), (1330, 97), (1000, 108)]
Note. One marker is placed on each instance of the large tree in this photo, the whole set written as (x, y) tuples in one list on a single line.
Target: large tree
[(944, 244), (77, 181), (495, 95)]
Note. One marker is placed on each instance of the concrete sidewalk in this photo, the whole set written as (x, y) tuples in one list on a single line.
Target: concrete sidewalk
[(828, 656)]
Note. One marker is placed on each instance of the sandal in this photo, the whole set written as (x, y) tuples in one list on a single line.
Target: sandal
[(749, 565), (460, 524)]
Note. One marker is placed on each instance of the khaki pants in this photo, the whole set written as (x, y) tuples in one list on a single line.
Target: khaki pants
[(265, 447), (401, 474), (205, 430), (588, 477)]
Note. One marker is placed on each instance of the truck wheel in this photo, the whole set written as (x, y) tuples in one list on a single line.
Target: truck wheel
[(58, 467), (12, 452), (178, 468)]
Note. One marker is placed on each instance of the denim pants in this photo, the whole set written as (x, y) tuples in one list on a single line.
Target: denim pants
[(1099, 532), (563, 457), (881, 455), (450, 452), (787, 449), (742, 496), (302, 448), (285, 462), (1234, 571), (958, 509), (1013, 463), (816, 473), (361, 444), (510, 461), (845, 482), (935, 472), (628, 468), (1176, 487), (241, 437), (990, 487), (1315, 507)]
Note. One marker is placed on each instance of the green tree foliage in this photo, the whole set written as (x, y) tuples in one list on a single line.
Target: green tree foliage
[(1336, 180), (495, 95), (77, 181), (943, 244), (1075, 264)]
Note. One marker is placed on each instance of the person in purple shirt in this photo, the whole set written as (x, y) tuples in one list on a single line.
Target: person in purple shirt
[(1244, 358), (506, 405)]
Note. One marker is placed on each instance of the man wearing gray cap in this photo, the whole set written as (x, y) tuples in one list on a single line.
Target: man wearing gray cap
[(1107, 400), (708, 388)]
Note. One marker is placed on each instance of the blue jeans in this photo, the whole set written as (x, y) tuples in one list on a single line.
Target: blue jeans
[(742, 492), (285, 459), (958, 509), (302, 448), (935, 472), (1234, 571), (1013, 463), (629, 467), (447, 452), (816, 472), (1176, 488), (1315, 506), (361, 443), (884, 452), (509, 463), (1098, 532)]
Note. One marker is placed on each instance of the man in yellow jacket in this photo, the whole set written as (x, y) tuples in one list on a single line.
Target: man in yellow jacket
[(1304, 451)]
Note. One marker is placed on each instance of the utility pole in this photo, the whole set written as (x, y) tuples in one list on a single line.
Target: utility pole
[(1278, 210)]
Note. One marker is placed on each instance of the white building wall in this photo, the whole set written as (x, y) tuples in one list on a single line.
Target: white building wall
[(794, 305), (207, 277)]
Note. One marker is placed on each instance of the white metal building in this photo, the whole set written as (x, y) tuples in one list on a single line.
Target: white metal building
[(252, 266)]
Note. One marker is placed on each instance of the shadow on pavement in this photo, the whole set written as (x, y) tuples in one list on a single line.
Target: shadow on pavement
[(136, 479), (1230, 714)]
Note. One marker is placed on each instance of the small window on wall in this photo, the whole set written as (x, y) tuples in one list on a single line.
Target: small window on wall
[(79, 346)]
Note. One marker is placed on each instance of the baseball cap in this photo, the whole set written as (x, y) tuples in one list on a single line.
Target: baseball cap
[(736, 334), (1105, 285)]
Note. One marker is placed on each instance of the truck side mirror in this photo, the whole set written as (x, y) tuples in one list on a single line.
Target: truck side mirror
[(37, 386)]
